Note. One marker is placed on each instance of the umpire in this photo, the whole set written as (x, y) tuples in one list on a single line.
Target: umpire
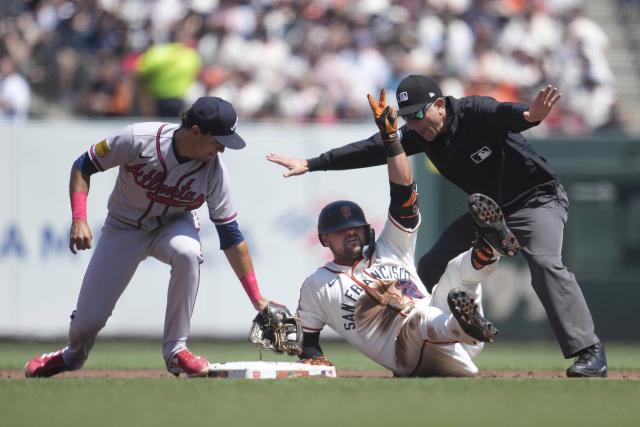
[(475, 142)]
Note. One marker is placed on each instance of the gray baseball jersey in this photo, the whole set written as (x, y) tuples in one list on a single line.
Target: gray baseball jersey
[(150, 214), (152, 187)]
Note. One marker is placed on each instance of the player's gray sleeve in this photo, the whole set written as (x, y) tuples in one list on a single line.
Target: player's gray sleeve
[(220, 203), (115, 150)]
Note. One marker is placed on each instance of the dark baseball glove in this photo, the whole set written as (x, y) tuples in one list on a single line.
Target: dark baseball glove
[(274, 328)]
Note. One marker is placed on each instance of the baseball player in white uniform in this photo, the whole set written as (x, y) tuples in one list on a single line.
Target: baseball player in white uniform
[(166, 171), (371, 295)]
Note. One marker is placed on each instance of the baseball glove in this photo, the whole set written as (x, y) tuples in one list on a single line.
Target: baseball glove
[(274, 328)]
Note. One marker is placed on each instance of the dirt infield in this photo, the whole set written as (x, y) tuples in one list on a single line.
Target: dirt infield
[(613, 375)]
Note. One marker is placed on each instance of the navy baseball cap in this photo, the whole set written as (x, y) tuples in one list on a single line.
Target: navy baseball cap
[(217, 117), (415, 92)]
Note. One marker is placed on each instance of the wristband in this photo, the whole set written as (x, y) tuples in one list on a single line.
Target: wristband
[(250, 285), (393, 149), (78, 206)]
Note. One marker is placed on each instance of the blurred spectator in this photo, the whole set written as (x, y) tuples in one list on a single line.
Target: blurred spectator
[(167, 71), (301, 59), (168, 68), (111, 92), (14, 91)]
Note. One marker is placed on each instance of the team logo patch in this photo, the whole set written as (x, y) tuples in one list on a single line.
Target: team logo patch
[(403, 96), (346, 212), (481, 154), (102, 148), (408, 288)]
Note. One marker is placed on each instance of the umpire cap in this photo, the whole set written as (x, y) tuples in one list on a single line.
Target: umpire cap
[(415, 92), (339, 215)]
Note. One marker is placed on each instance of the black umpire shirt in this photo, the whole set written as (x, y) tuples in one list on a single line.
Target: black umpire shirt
[(481, 152)]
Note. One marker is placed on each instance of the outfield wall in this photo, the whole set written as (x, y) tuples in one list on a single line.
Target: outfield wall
[(40, 278)]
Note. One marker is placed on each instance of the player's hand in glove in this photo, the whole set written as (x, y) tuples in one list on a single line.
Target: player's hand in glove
[(386, 118), (318, 360), (274, 328)]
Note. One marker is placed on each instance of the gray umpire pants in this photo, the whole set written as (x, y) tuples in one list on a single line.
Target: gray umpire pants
[(539, 227)]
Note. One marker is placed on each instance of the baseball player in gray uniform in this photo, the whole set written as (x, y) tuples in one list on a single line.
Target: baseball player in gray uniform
[(166, 171), (372, 296)]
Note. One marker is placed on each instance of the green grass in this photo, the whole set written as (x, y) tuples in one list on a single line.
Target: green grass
[(146, 354), (392, 402), (316, 402)]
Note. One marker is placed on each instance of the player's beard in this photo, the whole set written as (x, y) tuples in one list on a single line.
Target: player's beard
[(351, 250)]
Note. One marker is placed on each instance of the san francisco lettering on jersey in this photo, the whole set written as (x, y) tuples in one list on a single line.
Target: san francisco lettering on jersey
[(403, 283), (352, 294)]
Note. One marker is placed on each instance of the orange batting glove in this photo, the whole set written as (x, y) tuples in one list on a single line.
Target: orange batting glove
[(386, 118)]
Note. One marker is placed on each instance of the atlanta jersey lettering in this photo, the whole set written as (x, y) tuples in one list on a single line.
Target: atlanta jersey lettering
[(152, 186), (338, 295)]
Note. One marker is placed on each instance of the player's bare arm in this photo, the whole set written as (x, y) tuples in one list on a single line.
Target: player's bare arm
[(542, 105), (80, 235), (294, 166), (240, 260)]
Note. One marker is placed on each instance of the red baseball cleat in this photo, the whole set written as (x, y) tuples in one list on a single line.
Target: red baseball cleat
[(45, 365), (190, 364)]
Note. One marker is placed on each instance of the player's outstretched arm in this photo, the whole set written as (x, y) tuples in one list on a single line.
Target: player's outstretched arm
[(294, 166), (80, 235), (240, 260), (387, 121), (542, 105), (404, 197)]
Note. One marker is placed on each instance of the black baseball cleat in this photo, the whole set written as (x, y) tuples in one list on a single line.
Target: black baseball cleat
[(465, 310), (492, 228), (590, 362)]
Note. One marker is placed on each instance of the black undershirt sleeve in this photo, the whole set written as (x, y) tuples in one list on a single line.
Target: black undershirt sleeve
[(363, 154), (404, 204)]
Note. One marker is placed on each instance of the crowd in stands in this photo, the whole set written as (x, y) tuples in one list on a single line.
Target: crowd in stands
[(297, 60)]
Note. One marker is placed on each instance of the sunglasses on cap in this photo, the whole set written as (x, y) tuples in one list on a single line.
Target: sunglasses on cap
[(418, 115)]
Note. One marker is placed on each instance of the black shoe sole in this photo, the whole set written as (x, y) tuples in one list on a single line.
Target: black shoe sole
[(586, 374), (465, 310), (491, 225)]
